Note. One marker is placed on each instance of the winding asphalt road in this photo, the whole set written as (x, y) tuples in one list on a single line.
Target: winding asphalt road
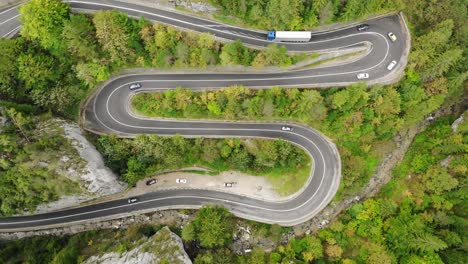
[(107, 112)]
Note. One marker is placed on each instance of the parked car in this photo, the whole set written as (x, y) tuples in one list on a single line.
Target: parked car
[(135, 86), (361, 76), (133, 200), (151, 181), (362, 27), (228, 184), (180, 180), (392, 36), (286, 128), (324, 222), (391, 65)]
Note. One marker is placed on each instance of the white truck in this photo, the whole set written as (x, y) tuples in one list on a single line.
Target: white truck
[(289, 36)]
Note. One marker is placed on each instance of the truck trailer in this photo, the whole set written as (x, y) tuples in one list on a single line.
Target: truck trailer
[(289, 36)]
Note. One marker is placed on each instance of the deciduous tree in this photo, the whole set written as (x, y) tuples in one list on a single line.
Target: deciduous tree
[(43, 21)]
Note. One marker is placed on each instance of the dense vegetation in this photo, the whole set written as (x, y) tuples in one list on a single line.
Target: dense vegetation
[(212, 227), (298, 14), (419, 217), (31, 171), (60, 56), (286, 165)]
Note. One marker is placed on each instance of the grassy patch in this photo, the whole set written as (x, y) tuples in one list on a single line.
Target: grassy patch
[(321, 62), (287, 181)]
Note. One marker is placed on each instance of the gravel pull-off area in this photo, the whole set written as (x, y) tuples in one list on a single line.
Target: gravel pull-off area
[(243, 184)]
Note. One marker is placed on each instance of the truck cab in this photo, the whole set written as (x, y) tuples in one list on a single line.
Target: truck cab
[(271, 35)]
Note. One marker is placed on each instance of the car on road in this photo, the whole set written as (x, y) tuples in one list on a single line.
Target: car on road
[(361, 76), (286, 128), (391, 65), (228, 184), (392, 36), (181, 180), (135, 86), (133, 200), (362, 27), (151, 181)]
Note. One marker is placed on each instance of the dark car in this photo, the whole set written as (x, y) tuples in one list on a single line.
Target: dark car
[(362, 27), (135, 86), (151, 181), (133, 200)]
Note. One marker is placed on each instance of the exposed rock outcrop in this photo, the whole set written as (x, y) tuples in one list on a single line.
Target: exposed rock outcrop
[(162, 247)]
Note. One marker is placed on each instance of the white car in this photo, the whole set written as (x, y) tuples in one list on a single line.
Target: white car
[(392, 36), (180, 180), (391, 65), (286, 128), (133, 200), (361, 76)]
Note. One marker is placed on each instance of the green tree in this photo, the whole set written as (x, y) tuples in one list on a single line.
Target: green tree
[(213, 226), (257, 256), (272, 55), (22, 122), (38, 71), (92, 73), (43, 21), (426, 243), (442, 63), (8, 71), (311, 105), (235, 53), (284, 14), (437, 180), (188, 232), (182, 54), (79, 35), (206, 40), (313, 249), (113, 36)]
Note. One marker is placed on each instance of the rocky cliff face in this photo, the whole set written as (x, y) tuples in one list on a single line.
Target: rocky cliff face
[(162, 247)]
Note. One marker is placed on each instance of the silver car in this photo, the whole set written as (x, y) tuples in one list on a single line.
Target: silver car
[(135, 86)]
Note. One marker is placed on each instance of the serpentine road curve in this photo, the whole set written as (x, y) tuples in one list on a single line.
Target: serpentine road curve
[(107, 112)]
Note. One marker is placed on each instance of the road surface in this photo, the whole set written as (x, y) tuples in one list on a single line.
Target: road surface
[(107, 111)]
